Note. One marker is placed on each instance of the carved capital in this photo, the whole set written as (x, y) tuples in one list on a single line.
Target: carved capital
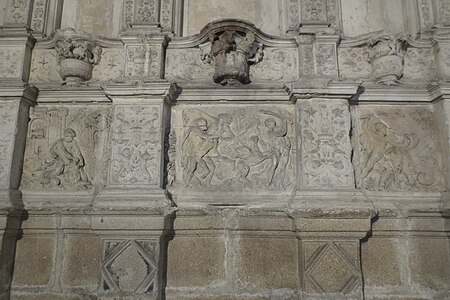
[(77, 54)]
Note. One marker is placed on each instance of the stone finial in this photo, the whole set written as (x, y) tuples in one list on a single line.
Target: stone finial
[(385, 53), (77, 54), (232, 53)]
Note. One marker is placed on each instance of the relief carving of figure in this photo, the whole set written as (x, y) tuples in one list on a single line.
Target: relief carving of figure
[(65, 167), (232, 151), (392, 160)]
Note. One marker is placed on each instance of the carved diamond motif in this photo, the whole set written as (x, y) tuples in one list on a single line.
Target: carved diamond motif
[(130, 266), (329, 269)]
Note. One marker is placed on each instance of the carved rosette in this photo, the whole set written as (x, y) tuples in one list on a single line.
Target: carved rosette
[(232, 53), (385, 53), (77, 54)]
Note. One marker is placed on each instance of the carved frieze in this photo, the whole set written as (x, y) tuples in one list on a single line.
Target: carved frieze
[(278, 64), (325, 156), (326, 59), (130, 267), (444, 12), (232, 53), (136, 145), (353, 63), (236, 150), (153, 15), (186, 64), (143, 61), (38, 16), (396, 150), (65, 148), (419, 64)]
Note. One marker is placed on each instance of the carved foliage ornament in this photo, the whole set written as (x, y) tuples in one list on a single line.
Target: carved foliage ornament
[(232, 53), (385, 53), (77, 53)]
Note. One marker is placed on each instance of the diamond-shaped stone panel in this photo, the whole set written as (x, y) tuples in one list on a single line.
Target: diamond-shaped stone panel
[(328, 270), (130, 266)]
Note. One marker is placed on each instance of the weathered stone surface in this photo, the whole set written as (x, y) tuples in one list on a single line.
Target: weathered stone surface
[(266, 263), (428, 260), (382, 261), (81, 266), (196, 261), (34, 262)]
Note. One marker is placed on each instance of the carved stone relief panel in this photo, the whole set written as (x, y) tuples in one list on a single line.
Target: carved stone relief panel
[(38, 16), (316, 14), (426, 14), (314, 11), (186, 64), (419, 64), (136, 145), (143, 61), (326, 57), (307, 66), (44, 66), (353, 63), (130, 267), (443, 10), (324, 129), (8, 122), (239, 149), (66, 148), (331, 267), (396, 149), (111, 66), (11, 62), (278, 64), (17, 12)]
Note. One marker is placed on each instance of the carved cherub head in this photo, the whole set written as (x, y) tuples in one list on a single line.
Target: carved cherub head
[(201, 123), (69, 134)]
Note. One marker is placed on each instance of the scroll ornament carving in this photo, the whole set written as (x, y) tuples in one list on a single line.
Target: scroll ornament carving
[(314, 11), (7, 124), (135, 145), (278, 64), (237, 150), (77, 53), (326, 148), (10, 62), (232, 53), (395, 157), (385, 53), (17, 12)]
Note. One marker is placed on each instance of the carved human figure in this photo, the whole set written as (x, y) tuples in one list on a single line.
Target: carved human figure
[(280, 146), (197, 143), (65, 167), (391, 150), (253, 157)]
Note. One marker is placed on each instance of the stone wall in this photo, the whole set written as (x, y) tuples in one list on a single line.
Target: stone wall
[(169, 149)]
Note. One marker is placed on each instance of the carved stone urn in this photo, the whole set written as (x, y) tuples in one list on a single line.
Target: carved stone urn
[(385, 53), (232, 53), (77, 55)]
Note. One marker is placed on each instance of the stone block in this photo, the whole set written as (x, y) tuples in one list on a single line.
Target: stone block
[(196, 261), (267, 263), (46, 296), (227, 297), (82, 259), (429, 262), (381, 261), (34, 261)]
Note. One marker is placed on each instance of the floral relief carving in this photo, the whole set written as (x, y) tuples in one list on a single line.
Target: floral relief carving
[(333, 13), (307, 61), (293, 15), (353, 63), (425, 13), (44, 66), (64, 149), (166, 14), (397, 151), (111, 66), (314, 11), (326, 58), (146, 11), (136, 145), (419, 64), (278, 64), (187, 64), (444, 12), (17, 12), (38, 15), (10, 62), (142, 61), (239, 149), (325, 142)]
